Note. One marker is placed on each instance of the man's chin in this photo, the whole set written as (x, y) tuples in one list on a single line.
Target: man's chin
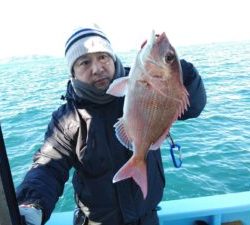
[(102, 85)]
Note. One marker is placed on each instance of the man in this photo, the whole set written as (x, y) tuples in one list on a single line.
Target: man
[(81, 135)]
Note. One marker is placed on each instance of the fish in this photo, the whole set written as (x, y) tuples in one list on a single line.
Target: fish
[(155, 97)]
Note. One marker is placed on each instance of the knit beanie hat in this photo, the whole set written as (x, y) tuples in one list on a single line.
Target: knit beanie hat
[(86, 40)]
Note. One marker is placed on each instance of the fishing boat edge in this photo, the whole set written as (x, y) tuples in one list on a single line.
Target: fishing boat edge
[(226, 209)]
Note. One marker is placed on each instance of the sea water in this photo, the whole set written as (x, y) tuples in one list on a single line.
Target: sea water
[(215, 146)]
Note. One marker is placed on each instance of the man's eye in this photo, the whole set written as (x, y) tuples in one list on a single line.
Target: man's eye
[(84, 63), (104, 58)]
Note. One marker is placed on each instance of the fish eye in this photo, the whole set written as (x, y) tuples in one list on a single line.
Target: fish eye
[(169, 57)]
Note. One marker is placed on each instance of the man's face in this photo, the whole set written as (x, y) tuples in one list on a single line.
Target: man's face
[(96, 69)]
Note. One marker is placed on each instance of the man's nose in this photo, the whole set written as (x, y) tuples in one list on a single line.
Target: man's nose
[(97, 67)]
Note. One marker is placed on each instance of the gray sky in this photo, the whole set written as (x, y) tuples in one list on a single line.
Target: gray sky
[(42, 26)]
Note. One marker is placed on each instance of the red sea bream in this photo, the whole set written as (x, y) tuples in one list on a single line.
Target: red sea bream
[(154, 98)]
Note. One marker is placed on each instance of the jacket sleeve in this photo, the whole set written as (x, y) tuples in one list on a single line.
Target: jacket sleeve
[(44, 182), (195, 87)]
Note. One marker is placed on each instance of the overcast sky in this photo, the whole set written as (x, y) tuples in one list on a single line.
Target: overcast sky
[(42, 26)]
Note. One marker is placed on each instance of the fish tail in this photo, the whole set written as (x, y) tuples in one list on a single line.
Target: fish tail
[(137, 170)]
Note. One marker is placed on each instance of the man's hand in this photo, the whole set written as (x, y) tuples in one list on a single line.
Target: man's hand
[(32, 215)]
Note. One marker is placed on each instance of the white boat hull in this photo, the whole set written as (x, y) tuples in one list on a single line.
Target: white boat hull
[(215, 210)]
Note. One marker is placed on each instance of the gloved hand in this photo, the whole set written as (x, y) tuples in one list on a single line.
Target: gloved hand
[(32, 215)]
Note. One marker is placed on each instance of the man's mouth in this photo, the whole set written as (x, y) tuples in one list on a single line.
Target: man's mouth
[(102, 83)]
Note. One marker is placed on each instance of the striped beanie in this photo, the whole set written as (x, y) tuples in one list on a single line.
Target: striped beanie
[(86, 40)]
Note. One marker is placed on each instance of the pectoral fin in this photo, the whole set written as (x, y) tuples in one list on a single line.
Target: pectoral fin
[(118, 87)]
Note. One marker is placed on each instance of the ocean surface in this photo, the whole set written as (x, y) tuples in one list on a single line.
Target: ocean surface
[(215, 146)]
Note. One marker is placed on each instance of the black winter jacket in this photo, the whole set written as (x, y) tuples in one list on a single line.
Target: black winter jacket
[(81, 135)]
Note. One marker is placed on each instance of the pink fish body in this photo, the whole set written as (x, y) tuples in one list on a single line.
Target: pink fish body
[(154, 98)]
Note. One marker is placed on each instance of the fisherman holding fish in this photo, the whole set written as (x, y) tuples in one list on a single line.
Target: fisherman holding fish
[(110, 130)]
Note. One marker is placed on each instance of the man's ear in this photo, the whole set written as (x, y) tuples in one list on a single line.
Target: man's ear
[(73, 73)]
